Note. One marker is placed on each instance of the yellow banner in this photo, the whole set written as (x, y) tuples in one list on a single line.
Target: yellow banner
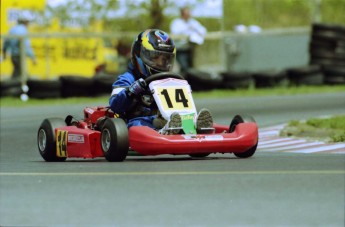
[(56, 56)]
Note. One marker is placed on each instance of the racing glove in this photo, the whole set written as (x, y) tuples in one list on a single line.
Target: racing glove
[(137, 87)]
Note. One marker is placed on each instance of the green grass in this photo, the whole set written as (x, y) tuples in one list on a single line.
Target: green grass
[(330, 129), (269, 91), (16, 102)]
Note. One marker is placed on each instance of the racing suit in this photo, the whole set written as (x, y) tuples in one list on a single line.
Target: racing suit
[(124, 104)]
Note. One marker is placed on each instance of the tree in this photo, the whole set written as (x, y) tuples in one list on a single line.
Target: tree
[(81, 12), (153, 9)]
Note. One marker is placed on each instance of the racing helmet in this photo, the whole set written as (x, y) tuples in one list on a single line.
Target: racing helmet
[(152, 52)]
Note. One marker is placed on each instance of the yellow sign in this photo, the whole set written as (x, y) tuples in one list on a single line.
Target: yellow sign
[(57, 56), (11, 10), (61, 143), (175, 98)]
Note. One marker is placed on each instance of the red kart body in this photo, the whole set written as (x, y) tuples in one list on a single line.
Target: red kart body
[(147, 141), (87, 146), (83, 139)]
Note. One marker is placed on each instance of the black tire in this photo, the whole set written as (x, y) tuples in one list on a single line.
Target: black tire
[(324, 62), (202, 81), (322, 44), (10, 88), (250, 152), (44, 84), (327, 46), (270, 79), (200, 155), (12, 92), (10, 83), (306, 75), (328, 31), (237, 80), (44, 94), (76, 86), (335, 80), (334, 75), (103, 83), (44, 88), (114, 140), (328, 54), (238, 119), (46, 139)]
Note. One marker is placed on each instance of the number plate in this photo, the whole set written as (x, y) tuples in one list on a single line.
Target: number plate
[(176, 98), (61, 143), (173, 95)]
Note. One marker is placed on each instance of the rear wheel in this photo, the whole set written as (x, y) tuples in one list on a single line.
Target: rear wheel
[(238, 119), (46, 139), (114, 140)]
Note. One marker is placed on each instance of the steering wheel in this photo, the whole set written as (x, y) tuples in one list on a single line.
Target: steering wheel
[(159, 76), (163, 75)]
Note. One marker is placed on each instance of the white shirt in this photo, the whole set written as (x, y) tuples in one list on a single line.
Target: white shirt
[(191, 28)]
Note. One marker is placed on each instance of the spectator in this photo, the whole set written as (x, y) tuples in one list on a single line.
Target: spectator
[(12, 45), (193, 33)]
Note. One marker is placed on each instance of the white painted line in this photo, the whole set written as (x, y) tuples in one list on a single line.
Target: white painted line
[(270, 133), (304, 145), (273, 141), (282, 144), (276, 127), (319, 149), (270, 141), (337, 152)]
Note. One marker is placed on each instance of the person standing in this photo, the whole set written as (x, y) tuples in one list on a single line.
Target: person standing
[(12, 46), (192, 33)]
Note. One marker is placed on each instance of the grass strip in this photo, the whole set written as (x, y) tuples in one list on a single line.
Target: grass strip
[(330, 129), (218, 93)]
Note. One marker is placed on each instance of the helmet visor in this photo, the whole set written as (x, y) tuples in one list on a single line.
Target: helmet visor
[(158, 60)]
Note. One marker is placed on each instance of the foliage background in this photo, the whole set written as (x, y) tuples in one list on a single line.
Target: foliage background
[(150, 13)]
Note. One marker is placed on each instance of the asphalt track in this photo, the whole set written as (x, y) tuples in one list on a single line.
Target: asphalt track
[(273, 188)]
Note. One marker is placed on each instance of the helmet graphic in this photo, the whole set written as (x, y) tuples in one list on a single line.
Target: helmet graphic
[(153, 52)]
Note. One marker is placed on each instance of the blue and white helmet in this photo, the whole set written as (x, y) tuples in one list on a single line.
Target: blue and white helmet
[(152, 52)]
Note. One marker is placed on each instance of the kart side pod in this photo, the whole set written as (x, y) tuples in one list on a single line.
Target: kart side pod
[(73, 142)]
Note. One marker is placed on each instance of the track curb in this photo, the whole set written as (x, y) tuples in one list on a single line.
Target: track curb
[(271, 141)]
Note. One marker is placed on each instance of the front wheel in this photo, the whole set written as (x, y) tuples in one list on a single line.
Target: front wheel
[(114, 140), (249, 153), (238, 119), (46, 139)]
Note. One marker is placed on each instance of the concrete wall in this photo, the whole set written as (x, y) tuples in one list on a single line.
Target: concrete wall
[(278, 49)]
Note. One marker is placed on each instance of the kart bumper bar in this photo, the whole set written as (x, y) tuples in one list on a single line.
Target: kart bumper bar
[(147, 141)]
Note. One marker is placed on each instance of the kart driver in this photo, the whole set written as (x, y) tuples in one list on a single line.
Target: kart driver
[(152, 52)]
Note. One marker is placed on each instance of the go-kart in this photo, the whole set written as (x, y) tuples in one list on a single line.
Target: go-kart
[(102, 133)]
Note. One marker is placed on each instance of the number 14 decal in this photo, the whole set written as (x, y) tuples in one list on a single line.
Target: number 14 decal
[(179, 97)]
